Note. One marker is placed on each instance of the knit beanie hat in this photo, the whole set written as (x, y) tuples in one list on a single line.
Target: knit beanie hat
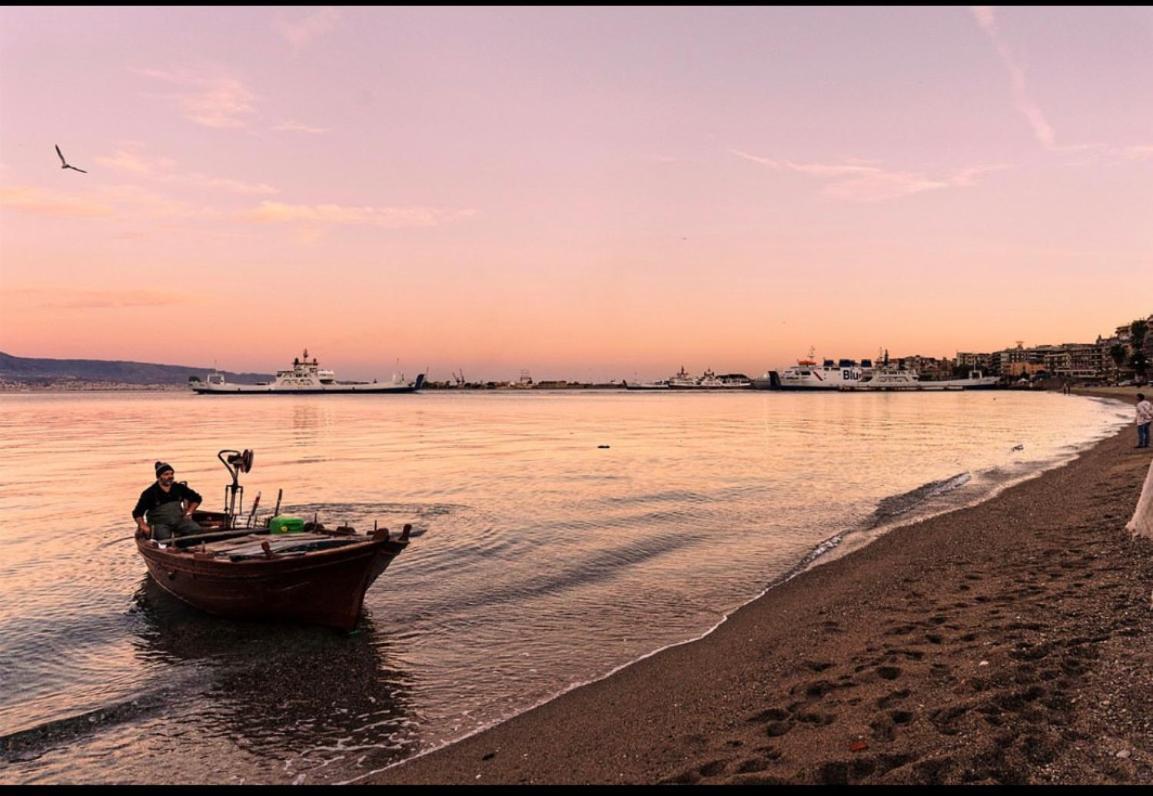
[(161, 467)]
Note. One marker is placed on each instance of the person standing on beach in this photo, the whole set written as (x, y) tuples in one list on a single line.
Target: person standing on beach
[(1144, 418), (168, 506)]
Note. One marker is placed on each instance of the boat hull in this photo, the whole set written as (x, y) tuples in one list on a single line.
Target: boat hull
[(773, 381), (953, 385), (260, 389), (365, 388), (321, 587)]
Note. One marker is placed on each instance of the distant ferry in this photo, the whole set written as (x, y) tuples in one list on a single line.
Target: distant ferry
[(305, 378), (848, 375), (894, 380), (681, 380), (808, 375)]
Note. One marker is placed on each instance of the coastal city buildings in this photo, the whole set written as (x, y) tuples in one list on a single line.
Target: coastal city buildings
[(1108, 359)]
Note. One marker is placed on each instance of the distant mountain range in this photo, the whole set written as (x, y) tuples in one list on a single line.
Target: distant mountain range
[(29, 369)]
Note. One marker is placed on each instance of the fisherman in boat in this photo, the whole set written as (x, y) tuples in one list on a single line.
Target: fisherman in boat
[(168, 506)]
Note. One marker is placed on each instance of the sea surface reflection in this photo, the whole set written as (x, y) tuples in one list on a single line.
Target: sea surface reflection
[(541, 558)]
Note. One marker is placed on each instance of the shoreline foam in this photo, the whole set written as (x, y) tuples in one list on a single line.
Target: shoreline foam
[(548, 752)]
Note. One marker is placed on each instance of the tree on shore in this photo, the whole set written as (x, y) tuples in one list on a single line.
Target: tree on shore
[(1140, 364), (1118, 354), (1137, 360), (1139, 329)]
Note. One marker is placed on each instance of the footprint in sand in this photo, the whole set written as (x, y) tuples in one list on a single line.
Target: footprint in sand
[(712, 768), (752, 765), (908, 654), (883, 729), (900, 630), (889, 672), (694, 775), (818, 689), (772, 714), (776, 729), (945, 719), (816, 719), (901, 717), (892, 698), (817, 666)]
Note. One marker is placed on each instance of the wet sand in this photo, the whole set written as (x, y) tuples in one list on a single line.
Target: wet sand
[(1004, 643)]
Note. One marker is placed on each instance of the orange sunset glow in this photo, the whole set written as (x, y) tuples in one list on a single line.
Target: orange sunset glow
[(587, 193)]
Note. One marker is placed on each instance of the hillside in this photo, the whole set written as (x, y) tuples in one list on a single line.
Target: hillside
[(48, 371)]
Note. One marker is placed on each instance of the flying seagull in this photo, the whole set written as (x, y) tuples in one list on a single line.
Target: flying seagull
[(65, 162)]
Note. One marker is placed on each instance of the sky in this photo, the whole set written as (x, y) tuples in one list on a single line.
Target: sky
[(584, 193)]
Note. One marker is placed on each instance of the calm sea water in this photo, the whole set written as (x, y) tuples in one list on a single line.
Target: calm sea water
[(544, 560)]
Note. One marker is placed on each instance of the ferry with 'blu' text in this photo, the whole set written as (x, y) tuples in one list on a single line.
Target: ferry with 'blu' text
[(808, 375), (849, 375)]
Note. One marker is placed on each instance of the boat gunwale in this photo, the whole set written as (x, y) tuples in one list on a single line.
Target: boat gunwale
[(188, 560)]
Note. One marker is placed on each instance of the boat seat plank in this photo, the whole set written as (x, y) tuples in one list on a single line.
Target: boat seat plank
[(224, 545), (297, 541)]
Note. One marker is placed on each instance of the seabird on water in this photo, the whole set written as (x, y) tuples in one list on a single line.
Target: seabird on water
[(65, 162)]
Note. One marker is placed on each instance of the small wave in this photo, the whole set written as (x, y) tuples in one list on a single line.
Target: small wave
[(666, 496), (32, 742), (896, 505), (595, 567)]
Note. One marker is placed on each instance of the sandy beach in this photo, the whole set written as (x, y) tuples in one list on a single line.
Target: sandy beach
[(1003, 643)]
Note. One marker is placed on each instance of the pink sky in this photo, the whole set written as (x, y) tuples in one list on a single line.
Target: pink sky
[(592, 193)]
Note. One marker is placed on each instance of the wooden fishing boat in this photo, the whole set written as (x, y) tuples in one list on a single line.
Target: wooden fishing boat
[(235, 570)]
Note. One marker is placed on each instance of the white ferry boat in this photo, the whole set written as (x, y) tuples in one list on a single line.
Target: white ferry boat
[(729, 381), (305, 378), (892, 379), (646, 385), (808, 375), (683, 381)]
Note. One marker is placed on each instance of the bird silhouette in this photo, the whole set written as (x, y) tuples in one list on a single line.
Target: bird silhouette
[(65, 162)]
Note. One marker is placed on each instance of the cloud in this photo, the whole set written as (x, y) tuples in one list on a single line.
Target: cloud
[(1142, 152), (129, 202), (136, 163), (295, 127), (57, 298), (50, 203), (164, 170), (332, 214), (868, 181), (217, 101), (302, 31), (134, 202), (1042, 130)]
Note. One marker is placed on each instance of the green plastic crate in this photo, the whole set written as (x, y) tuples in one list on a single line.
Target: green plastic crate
[(286, 525)]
